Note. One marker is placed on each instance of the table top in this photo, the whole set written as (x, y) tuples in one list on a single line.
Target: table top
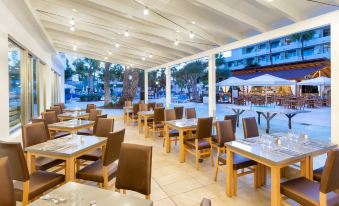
[(146, 113), (184, 123), (292, 148), (128, 107), (73, 114), (67, 146), (79, 194), (276, 110), (75, 109), (71, 124)]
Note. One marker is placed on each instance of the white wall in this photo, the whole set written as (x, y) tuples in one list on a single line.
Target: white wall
[(18, 23)]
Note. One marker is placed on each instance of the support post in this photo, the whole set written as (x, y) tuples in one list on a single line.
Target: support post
[(335, 81), (211, 85), (168, 85), (146, 86)]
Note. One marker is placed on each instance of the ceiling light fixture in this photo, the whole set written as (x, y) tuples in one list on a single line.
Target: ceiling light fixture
[(178, 31), (131, 65), (146, 11), (72, 28), (110, 53), (74, 47), (126, 34), (74, 10), (191, 35), (193, 22), (143, 58), (176, 42), (105, 58), (72, 21), (150, 56), (117, 45)]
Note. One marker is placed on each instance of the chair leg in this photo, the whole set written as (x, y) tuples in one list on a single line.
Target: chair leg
[(147, 197), (124, 192), (153, 131), (211, 153), (78, 162), (217, 164), (196, 154), (235, 182), (255, 177), (25, 193), (105, 175)]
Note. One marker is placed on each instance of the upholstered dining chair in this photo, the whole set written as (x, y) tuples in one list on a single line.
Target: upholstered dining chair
[(7, 197), (151, 106), (143, 107), (225, 134), (157, 125), (57, 109), (33, 134), (158, 105), (201, 144), (91, 131), (62, 105), (128, 103), (135, 111), (190, 113), (89, 107), (172, 133), (179, 112), (308, 192), (135, 176), (27, 186), (50, 118), (205, 202), (233, 118), (104, 170), (250, 127)]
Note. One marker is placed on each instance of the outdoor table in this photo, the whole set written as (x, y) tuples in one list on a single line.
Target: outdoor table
[(75, 109), (280, 100), (275, 158), (81, 194), (267, 112), (67, 148), (144, 115), (311, 103), (293, 103), (73, 115), (127, 110), (71, 126)]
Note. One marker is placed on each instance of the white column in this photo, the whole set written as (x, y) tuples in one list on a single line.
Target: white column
[(211, 85), (146, 86), (335, 81), (168, 85)]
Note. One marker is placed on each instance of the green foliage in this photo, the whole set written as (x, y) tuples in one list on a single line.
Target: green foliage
[(90, 97), (81, 69), (69, 71), (117, 72), (219, 60), (222, 72), (302, 36)]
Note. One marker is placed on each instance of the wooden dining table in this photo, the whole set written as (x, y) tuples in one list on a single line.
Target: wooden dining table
[(276, 157), (67, 148), (127, 110), (145, 116), (71, 126), (73, 109), (73, 115)]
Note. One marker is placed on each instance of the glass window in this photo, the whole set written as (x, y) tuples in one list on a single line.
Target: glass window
[(309, 51), (291, 54), (157, 86), (14, 53), (326, 32), (35, 91), (274, 44)]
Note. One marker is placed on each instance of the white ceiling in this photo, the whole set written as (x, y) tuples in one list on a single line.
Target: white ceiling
[(100, 24)]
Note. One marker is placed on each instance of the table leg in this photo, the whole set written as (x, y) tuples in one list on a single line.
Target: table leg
[(181, 146), (30, 162), (145, 127), (259, 114), (229, 173), (167, 140), (310, 167), (127, 116), (139, 124), (70, 169), (306, 167), (289, 116), (275, 186)]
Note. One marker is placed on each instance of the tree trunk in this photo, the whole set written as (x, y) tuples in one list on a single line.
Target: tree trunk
[(90, 77), (130, 85), (107, 78), (269, 44), (195, 93), (302, 49)]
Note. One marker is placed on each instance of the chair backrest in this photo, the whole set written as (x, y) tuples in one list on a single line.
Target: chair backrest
[(151, 105), (113, 146), (141, 102), (89, 107), (205, 202), (17, 163), (159, 114), (169, 114), (33, 134), (143, 107), (250, 127), (224, 132), (7, 196), (135, 108), (190, 113), (330, 176), (96, 121), (46, 126), (128, 103), (204, 127), (104, 127), (179, 112), (134, 168), (157, 105), (233, 118), (93, 113), (62, 105), (50, 117), (57, 109)]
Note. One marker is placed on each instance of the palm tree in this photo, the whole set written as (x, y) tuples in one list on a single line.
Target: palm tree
[(107, 79), (302, 37), (131, 82), (93, 66)]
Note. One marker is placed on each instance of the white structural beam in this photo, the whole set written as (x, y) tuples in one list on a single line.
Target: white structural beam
[(211, 86), (235, 14), (168, 85), (335, 80), (284, 8), (146, 86)]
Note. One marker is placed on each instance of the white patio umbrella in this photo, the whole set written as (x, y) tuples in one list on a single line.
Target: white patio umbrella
[(319, 81), (232, 81)]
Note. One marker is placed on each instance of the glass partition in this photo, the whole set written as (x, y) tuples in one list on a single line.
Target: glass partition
[(157, 86)]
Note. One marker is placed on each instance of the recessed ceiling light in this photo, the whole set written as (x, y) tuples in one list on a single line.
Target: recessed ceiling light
[(74, 10), (193, 22), (72, 21), (109, 53), (143, 58), (126, 34), (117, 45), (176, 42), (105, 58), (72, 28), (146, 11), (74, 47), (150, 56), (191, 35), (178, 31), (131, 65)]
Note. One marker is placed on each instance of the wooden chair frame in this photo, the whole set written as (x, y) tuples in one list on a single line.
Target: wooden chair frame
[(198, 153)]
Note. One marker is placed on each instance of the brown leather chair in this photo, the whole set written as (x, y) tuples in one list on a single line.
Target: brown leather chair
[(190, 113), (33, 134), (225, 134), (201, 144), (233, 118), (134, 169), (179, 112), (104, 127), (157, 123), (143, 107), (57, 109), (151, 105), (250, 127), (62, 105), (51, 118), (307, 192), (317, 174), (89, 107), (7, 197), (172, 133), (128, 103), (135, 111), (141, 102), (91, 131), (102, 171), (205, 202), (158, 105), (27, 186)]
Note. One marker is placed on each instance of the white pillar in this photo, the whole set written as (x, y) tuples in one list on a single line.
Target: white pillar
[(211, 85), (146, 86), (335, 81), (168, 85)]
